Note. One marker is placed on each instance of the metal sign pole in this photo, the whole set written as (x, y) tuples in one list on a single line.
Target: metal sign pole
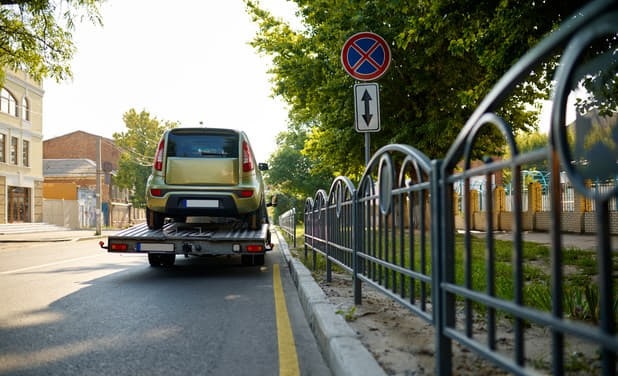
[(366, 56), (367, 148)]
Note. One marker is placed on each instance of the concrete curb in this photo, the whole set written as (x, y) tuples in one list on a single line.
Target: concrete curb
[(340, 346)]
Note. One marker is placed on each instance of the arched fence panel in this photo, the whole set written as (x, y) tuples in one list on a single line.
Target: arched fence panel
[(430, 233)]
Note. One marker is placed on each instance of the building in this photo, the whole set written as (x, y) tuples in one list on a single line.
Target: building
[(70, 172), (69, 192), (21, 160)]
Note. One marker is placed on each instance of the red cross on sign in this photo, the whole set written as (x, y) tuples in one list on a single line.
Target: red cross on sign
[(366, 56)]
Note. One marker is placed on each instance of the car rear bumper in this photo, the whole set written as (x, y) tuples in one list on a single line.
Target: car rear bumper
[(224, 204)]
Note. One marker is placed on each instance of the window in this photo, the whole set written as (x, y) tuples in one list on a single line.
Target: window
[(2, 148), (25, 150), (25, 109), (13, 150), (203, 145), (8, 103)]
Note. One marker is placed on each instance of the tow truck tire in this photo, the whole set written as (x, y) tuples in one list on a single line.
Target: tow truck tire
[(154, 220), (252, 260), (168, 260), (154, 260), (157, 260), (258, 260)]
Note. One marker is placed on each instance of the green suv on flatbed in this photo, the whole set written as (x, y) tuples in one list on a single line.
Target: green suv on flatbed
[(209, 173)]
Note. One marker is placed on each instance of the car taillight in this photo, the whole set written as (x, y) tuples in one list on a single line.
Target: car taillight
[(158, 162), (156, 192), (247, 163), (246, 193)]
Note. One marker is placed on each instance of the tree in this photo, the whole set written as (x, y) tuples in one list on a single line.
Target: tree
[(138, 144), (446, 56), (293, 173), (35, 35)]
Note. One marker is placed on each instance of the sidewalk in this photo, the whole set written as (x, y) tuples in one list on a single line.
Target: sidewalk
[(569, 240), (42, 232)]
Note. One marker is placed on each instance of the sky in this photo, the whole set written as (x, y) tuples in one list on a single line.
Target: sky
[(190, 62)]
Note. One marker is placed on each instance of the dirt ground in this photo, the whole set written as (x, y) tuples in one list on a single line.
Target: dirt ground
[(403, 344)]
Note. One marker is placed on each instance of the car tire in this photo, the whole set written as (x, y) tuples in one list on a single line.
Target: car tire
[(258, 217), (154, 220), (253, 220)]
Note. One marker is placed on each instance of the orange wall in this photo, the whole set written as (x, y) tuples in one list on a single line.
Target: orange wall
[(66, 191)]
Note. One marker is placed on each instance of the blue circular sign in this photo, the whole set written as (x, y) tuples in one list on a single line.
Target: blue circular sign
[(366, 56)]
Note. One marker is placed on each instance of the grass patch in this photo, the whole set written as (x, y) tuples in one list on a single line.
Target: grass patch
[(581, 294)]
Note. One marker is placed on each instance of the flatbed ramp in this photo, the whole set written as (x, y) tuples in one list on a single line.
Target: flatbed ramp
[(191, 239), (173, 231)]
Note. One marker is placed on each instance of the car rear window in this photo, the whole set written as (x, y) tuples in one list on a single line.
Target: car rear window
[(202, 145)]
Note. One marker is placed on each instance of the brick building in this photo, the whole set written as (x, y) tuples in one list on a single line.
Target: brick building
[(21, 137), (70, 172), (82, 145)]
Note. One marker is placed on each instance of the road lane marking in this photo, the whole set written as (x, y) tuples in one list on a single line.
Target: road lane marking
[(46, 265), (288, 360)]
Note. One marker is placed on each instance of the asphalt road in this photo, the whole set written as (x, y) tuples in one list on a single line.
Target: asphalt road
[(70, 308)]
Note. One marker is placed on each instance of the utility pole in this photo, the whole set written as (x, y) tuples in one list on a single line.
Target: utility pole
[(98, 194)]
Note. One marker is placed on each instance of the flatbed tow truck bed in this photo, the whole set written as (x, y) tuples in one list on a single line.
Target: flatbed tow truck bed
[(191, 239)]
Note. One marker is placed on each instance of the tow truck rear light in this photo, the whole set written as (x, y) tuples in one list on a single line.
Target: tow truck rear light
[(255, 248), (121, 247), (158, 161)]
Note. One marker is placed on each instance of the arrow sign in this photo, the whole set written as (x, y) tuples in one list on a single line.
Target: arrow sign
[(367, 107), (367, 115)]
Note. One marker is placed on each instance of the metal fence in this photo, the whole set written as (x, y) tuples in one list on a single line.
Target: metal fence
[(395, 230), (287, 223)]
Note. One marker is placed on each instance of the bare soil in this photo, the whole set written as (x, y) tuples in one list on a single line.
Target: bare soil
[(403, 344)]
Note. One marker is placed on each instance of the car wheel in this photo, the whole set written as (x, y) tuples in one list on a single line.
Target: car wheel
[(154, 220), (253, 221)]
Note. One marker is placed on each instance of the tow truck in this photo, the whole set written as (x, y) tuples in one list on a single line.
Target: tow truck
[(192, 239)]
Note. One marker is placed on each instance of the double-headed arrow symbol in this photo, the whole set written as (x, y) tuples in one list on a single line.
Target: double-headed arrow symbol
[(366, 98)]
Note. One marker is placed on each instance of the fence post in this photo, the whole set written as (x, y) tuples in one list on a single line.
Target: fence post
[(357, 231), (327, 240), (306, 217), (294, 227), (442, 266)]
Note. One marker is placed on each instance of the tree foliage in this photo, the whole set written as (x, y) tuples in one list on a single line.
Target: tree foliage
[(36, 35), (138, 144), (292, 172), (446, 56)]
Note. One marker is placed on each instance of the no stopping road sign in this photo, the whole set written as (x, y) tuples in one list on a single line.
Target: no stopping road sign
[(365, 56)]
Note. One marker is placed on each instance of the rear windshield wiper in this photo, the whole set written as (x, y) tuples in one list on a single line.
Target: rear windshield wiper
[(206, 153)]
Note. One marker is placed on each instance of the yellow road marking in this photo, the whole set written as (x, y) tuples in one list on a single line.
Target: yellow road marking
[(288, 360)]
